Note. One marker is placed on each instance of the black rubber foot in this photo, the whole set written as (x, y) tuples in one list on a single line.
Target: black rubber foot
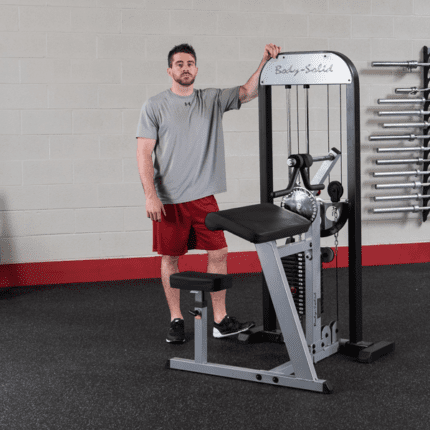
[(327, 388), (377, 350), (366, 352), (258, 335), (167, 365)]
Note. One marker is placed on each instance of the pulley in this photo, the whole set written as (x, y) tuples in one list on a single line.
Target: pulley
[(301, 201), (335, 191), (331, 227)]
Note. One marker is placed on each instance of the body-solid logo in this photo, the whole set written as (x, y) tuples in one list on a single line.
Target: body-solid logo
[(307, 69)]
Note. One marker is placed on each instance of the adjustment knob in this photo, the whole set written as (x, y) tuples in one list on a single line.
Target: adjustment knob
[(327, 255), (195, 313)]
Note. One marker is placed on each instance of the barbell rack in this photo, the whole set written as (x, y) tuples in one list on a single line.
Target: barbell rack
[(423, 137)]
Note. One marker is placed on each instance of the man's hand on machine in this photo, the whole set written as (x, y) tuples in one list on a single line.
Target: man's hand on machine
[(271, 51), (154, 207)]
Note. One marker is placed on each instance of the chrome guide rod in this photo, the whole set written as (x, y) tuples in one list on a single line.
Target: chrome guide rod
[(340, 129), (306, 88), (328, 125), (289, 126), (298, 125), (328, 117)]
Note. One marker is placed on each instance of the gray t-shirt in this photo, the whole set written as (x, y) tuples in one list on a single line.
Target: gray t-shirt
[(189, 161)]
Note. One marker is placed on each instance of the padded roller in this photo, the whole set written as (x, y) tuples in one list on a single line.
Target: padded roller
[(201, 281)]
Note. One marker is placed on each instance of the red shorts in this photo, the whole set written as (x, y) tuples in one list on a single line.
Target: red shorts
[(184, 228)]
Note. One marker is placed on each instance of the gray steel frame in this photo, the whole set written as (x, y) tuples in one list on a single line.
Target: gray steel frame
[(322, 75), (299, 372), (303, 349), (318, 68)]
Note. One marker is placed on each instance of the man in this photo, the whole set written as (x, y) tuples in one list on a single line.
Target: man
[(183, 127)]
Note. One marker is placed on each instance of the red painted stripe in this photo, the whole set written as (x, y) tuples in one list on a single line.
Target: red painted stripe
[(403, 253), (63, 272)]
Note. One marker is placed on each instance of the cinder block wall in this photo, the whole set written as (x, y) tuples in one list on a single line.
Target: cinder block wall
[(74, 75)]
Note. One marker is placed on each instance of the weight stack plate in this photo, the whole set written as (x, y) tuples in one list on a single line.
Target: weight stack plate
[(295, 271)]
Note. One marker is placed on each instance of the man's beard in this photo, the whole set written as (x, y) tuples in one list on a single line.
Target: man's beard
[(185, 82)]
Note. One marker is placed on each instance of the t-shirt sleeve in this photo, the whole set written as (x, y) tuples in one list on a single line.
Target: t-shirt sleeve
[(229, 99), (148, 124)]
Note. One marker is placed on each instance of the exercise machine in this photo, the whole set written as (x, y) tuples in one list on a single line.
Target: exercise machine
[(333, 70), (246, 222), (300, 221)]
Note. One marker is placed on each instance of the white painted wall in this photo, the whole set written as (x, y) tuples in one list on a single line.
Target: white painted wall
[(73, 77)]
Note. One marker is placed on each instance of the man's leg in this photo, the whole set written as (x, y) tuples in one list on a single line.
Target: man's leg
[(217, 263), (169, 266), (224, 325)]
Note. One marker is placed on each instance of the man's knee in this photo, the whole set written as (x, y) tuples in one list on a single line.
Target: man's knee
[(169, 259), (219, 254)]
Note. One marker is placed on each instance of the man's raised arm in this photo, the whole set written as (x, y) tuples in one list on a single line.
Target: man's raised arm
[(249, 91)]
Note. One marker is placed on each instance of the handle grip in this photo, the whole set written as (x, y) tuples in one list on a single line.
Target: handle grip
[(301, 163)]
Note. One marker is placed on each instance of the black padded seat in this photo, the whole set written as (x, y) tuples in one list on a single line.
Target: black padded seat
[(258, 223), (201, 281)]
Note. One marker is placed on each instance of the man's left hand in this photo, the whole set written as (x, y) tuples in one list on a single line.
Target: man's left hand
[(271, 51)]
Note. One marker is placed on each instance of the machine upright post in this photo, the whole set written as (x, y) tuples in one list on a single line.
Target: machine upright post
[(266, 186), (266, 143), (354, 220), (201, 329)]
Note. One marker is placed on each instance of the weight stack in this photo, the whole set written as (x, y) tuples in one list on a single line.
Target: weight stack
[(295, 270)]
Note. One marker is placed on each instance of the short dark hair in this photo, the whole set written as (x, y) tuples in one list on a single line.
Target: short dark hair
[(185, 48)]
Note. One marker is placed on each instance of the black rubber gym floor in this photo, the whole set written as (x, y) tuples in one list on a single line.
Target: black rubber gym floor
[(92, 356)]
